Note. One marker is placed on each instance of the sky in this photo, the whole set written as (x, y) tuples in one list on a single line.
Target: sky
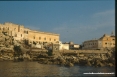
[(75, 21)]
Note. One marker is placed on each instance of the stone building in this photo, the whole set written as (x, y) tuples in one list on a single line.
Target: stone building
[(92, 44), (106, 41), (19, 32)]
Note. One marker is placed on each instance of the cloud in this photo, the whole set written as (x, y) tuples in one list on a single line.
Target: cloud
[(98, 24), (104, 13), (104, 18)]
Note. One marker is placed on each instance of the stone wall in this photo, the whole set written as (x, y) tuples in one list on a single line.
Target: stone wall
[(83, 51)]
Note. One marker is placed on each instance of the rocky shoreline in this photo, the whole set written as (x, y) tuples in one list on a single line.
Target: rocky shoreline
[(57, 58), (69, 60), (14, 50)]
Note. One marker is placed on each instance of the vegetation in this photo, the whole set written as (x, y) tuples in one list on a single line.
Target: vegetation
[(49, 53), (17, 50)]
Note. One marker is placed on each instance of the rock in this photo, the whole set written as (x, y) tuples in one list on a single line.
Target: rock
[(98, 63), (82, 62), (70, 64), (110, 64), (56, 62), (88, 63), (62, 63)]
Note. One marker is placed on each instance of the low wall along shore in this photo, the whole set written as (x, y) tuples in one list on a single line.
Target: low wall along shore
[(83, 51)]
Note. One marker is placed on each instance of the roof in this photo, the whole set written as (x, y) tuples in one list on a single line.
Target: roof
[(105, 35)]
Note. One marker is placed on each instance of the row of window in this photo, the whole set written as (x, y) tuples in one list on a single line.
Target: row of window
[(112, 39), (4, 28), (45, 39), (39, 38), (16, 35), (7, 28), (91, 44), (109, 43), (26, 32), (40, 42)]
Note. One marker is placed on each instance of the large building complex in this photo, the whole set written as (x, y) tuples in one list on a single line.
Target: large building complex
[(106, 41), (19, 32)]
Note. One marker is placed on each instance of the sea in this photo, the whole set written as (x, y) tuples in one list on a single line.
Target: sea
[(34, 69)]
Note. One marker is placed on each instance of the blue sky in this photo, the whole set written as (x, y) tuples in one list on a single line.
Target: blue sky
[(75, 21)]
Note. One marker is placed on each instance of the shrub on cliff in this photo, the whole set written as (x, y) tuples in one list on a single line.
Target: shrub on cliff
[(49, 53), (17, 50)]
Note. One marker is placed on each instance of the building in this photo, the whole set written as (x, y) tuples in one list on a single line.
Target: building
[(106, 41), (19, 32), (92, 44), (73, 46), (63, 46), (68, 46)]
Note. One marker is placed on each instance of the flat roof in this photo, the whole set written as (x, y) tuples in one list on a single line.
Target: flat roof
[(44, 32)]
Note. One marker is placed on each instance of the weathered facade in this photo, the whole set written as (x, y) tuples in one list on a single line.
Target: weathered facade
[(92, 44), (19, 32), (106, 41)]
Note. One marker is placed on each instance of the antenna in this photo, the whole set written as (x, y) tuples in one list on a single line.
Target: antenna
[(112, 33)]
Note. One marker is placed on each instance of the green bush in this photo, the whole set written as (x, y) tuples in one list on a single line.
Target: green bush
[(17, 50), (49, 53)]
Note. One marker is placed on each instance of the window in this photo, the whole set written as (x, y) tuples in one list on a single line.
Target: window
[(34, 37), (15, 35), (39, 38), (44, 38)]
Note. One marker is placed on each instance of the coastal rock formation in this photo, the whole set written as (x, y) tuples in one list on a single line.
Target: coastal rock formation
[(11, 49)]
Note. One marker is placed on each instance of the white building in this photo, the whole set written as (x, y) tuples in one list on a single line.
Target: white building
[(63, 46)]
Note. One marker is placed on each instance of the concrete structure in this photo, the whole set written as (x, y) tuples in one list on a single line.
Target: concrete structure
[(106, 41), (19, 32), (92, 44), (73, 46), (63, 46)]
